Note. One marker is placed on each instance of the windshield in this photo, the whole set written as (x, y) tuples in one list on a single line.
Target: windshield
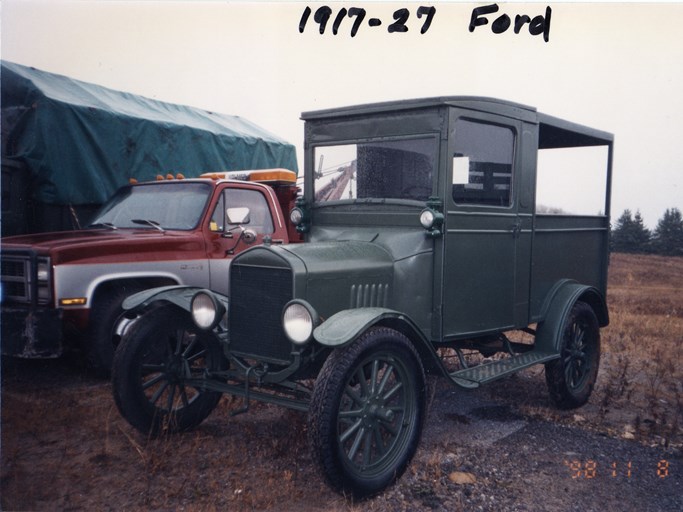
[(394, 169), (153, 206)]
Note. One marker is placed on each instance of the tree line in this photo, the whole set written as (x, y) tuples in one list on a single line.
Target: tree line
[(629, 234)]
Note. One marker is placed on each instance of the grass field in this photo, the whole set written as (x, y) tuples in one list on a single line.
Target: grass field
[(643, 346)]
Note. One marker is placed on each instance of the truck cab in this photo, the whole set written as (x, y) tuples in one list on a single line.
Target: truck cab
[(465, 237), (491, 255)]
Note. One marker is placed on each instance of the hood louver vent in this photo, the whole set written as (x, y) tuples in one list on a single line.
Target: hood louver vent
[(369, 295)]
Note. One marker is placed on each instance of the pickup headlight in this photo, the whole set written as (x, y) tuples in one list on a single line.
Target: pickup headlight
[(43, 280), (43, 272), (298, 320), (207, 311)]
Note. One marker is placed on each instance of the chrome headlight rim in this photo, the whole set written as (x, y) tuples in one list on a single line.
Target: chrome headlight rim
[(299, 320), (297, 216), (428, 218), (206, 310)]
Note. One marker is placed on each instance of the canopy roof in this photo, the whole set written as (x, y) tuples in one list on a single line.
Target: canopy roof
[(81, 141)]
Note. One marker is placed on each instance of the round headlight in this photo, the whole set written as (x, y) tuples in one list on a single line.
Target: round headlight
[(296, 216), (206, 310), (299, 319), (427, 218)]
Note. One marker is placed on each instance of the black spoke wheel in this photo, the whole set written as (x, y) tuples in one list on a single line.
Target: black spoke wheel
[(152, 365), (571, 378), (367, 412)]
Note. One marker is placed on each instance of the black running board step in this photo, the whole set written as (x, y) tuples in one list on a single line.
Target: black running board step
[(483, 373)]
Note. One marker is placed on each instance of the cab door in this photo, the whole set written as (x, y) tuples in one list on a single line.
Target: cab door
[(487, 239)]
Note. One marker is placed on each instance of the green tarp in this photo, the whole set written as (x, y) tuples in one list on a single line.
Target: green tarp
[(80, 141)]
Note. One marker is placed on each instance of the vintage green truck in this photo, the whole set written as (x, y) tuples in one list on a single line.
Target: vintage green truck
[(436, 231)]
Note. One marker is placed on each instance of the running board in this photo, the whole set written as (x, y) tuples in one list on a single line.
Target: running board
[(481, 374)]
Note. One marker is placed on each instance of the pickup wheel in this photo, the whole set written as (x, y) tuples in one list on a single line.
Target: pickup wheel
[(367, 412), (101, 341), (152, 365), (571, 378)]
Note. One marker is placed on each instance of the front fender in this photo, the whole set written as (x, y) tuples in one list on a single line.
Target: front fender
[(345, 326), (181, 296)]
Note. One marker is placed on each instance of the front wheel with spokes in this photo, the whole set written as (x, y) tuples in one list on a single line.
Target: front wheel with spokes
[(367, 412), (153, 366), (571, 378)]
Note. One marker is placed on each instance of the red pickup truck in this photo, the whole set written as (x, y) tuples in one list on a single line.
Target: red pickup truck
[(69, 286)]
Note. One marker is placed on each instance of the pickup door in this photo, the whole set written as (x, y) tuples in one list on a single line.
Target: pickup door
[(223, 239)]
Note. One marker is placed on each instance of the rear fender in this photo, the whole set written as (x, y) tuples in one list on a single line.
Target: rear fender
[(566, 294)]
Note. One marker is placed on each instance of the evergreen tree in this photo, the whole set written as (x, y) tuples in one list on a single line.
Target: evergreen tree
[(668, 235), (641, 235), (630, 234)]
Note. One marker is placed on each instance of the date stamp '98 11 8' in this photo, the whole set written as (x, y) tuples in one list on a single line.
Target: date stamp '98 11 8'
[(590, 469)]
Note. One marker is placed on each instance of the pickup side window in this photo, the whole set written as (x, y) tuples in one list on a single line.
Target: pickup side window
[(482, 163), (260, 219)]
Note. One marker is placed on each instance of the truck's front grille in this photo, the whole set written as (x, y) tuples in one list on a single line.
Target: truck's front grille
[(257, 297), (16, 278)]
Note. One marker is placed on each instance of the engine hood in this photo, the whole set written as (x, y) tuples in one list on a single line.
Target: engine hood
[(323, 259), (104, 245), (330, 275)]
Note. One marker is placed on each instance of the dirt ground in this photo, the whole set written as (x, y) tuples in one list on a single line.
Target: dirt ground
[(499, 448)]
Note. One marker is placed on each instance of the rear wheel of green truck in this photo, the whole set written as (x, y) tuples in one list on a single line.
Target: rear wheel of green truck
[(152, 366), (367, 412), (571, 378)]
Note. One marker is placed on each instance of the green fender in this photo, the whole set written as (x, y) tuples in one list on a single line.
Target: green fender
[(345, 326), (181, 296), (560, 302)]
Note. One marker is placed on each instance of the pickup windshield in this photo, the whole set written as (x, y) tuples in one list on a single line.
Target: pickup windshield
[(177, 205), (386, 169)]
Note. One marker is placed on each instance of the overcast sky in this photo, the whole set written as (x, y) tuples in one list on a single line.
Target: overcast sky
[(616, 67)]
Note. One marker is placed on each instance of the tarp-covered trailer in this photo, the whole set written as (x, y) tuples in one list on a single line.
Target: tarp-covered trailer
[(67, 145)]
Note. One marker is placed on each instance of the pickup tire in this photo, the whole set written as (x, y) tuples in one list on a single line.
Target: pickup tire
[(151, 365), (367, 412), (101, 342), (571, 378)]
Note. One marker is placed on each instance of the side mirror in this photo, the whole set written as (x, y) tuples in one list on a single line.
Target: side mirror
[(248, 236), (237, 215)]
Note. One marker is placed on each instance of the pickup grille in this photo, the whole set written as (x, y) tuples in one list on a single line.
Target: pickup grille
[(19, 274), (16, 278), (257, 297)]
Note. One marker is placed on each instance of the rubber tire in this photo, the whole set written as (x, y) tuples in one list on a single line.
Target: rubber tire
[(563, 392), (100, 343), (338, 370), (145, 344)]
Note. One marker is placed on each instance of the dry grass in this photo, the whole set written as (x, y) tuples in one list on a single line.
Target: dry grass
[(642, 347)]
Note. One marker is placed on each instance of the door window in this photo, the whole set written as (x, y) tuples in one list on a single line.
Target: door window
[(260, 219), (482, 164)]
